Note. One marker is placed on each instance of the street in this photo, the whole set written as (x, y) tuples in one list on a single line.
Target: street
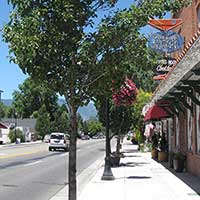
[(31, 172)]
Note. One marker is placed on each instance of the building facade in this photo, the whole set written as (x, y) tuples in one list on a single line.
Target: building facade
[(187, 137), (181, 89)]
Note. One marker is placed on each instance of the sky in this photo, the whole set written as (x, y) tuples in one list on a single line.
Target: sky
[(11, 74)]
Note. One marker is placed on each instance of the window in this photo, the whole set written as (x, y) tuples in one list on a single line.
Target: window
[(189, 125), (198, 123)]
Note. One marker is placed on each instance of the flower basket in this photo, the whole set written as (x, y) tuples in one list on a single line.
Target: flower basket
[(126, 95)]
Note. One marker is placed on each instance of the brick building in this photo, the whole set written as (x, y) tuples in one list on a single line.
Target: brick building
[(182, 89)]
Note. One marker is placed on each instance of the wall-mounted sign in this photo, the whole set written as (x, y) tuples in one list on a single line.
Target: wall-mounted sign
[(165, 24), (165, 66), (166, 41)]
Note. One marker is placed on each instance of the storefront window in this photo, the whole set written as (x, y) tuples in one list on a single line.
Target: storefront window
[(189, 126), (198, 124), (177, 132)]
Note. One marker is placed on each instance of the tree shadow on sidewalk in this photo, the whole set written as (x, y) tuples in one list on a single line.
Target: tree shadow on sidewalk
[(132, 164), (135, 177), (129, 156), (139, 177)]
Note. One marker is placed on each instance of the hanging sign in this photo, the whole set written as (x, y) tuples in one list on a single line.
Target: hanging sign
[(165, 24), (166, 41), (165, 66)]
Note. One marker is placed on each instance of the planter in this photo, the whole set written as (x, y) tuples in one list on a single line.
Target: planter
[(154, 153), (162, 156), (114, 161), (178, 165)]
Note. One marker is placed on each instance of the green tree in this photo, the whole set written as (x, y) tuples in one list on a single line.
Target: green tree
[(94, 126), (84, 127), (61, 120), (31, 96), (3, 110), (48, 41), (137, 118), (43, 124), (120, 122), (18, 134)]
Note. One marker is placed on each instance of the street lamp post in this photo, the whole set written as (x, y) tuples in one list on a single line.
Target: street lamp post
[(1, 91), (15, 116), (107, 174)]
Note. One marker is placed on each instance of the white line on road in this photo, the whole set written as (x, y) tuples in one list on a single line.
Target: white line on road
[(33, 163), (3, 154)]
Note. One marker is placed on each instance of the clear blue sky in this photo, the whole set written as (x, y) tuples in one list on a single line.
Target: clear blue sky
[(11, 75)]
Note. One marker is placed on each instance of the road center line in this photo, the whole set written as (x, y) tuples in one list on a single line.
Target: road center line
[(19, 154), (33, 163)]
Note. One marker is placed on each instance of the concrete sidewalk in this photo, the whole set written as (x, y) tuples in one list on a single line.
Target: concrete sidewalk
[(138, 177)]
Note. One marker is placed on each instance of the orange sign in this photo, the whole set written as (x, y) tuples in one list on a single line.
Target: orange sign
[(165, 24), (159, 77)]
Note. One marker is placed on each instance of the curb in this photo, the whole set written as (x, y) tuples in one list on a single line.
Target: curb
[(82, 180), (24, 143)]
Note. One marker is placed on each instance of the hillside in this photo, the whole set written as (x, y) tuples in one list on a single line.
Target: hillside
[(86, 112)]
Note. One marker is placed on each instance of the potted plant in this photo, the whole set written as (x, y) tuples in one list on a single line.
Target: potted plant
[(179, 161), (154, 150), (115, 159), (163, 150)]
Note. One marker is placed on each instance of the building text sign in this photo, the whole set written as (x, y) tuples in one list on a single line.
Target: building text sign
[(166, 41)]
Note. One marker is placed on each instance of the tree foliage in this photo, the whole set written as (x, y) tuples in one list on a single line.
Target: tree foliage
[(3, 110), (31, 96), (94, 127), (43, 124), (18, 134), (137, 118)]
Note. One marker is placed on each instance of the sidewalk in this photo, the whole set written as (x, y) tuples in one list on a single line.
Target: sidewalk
[(139, 177), (21, 143)]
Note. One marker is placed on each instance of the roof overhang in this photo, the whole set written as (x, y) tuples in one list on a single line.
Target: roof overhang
[(3, 126)]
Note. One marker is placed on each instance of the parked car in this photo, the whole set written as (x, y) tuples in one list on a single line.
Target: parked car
[(46, 138), (85, 137), (59, 141)]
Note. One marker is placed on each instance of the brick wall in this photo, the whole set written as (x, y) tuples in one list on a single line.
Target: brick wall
[(190, 20)]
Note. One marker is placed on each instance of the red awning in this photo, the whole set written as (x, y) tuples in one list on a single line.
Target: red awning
[(3, 126), (155, 112)]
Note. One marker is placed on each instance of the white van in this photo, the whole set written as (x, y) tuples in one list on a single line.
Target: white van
[(59, 141)]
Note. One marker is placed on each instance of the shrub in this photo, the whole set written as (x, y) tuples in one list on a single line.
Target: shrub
[(19, 134), (179, 155)]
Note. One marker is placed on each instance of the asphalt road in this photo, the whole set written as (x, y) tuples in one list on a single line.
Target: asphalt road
[(31, 172)]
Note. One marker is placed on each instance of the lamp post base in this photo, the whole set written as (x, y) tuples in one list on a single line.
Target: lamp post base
[(107, 174)]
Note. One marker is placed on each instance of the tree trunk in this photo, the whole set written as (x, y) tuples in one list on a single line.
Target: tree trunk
[(109, 146), (118, 145), (72, 155)]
